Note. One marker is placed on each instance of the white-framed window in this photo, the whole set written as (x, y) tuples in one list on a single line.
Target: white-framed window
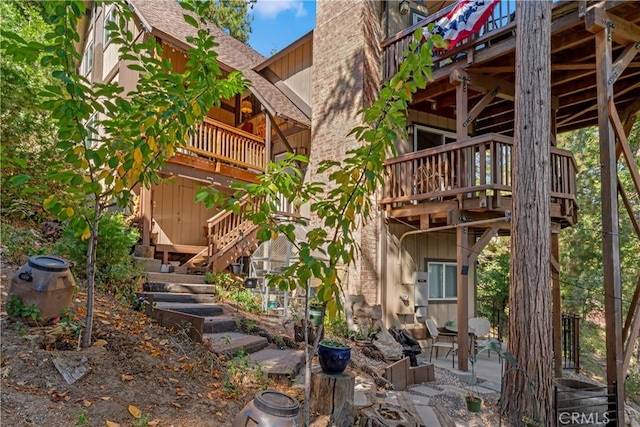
[(109, 17), (417, 16), (92, 131), (443, 280), (425, 137), (87, 59)]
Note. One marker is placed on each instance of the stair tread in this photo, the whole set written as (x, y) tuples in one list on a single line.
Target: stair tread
[(279, 362), (177, 278), (219, 324), (196, 308), (230, 342), (178, 297), (191, 288)]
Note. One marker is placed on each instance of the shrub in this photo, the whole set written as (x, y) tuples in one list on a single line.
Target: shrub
[(115, 270), (19, 244)]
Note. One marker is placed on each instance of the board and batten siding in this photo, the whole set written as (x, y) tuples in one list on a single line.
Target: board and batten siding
[(177, 218), (295, 70), (402, 264)]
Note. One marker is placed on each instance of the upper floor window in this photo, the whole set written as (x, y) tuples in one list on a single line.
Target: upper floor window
[(417, 16), (87, 59), (109, 18), (92, 132), (443, 280), (425, 137)]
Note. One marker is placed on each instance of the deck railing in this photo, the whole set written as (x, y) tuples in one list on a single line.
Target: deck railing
[(476, 167), (227, 144), (500, 23)]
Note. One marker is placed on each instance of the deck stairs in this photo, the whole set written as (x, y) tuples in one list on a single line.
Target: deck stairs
[(187, 304), (230, 236)]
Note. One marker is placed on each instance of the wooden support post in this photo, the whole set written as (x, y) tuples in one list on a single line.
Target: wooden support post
[(556, 306), (145, 214), (268, 147), (462, 98), (462, 241), (332, 394), (610, 228)]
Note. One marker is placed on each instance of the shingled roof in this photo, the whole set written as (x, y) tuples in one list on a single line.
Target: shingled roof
[(164, 19)]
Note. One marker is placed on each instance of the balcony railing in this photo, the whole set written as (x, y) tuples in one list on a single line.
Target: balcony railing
[(224, 143), (499, 25), (480, 166)]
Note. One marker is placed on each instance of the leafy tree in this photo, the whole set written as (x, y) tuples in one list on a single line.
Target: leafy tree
[(493, 283), (581, 245), (137, 131), (232, 16), (341, 205), (26, 130)]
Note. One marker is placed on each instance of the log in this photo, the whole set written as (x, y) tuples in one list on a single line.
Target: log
[(333, 395)]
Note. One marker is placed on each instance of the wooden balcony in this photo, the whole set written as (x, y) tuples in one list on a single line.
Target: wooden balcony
[(219, 148), (488, 57), (499, 26), (472, 175)]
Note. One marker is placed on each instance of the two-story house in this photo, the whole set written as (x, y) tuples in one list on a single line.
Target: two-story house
[(234, 143), (449, 190)]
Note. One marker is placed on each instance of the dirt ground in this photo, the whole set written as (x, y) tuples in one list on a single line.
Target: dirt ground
[(135, 368)]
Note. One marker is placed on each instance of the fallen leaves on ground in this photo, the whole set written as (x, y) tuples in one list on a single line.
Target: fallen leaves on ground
[(135, 411)]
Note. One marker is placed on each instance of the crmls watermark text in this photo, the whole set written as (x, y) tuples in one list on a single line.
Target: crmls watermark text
[(580, 418)]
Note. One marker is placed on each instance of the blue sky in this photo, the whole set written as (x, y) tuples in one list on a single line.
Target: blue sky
[(278, 23)]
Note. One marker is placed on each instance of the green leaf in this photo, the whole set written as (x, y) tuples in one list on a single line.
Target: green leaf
[(191, 20), (19, 180)]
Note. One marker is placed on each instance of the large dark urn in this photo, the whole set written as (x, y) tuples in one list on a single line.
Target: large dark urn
[(333, 358)]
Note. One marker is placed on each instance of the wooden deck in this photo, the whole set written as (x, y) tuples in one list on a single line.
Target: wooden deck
[(472, 175), (488, 62)]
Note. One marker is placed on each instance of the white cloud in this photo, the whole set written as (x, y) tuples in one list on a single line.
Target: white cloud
[(269, 9)]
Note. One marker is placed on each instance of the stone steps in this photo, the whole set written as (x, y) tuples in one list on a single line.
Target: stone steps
[(185, 303)]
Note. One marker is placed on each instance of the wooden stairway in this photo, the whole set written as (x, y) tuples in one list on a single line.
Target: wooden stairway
[(230, 236)]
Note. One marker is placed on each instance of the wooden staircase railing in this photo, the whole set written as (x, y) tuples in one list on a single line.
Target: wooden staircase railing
[(231, 235)]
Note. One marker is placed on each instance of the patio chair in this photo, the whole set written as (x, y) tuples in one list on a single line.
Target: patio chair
[(440, 340), (480, 328)]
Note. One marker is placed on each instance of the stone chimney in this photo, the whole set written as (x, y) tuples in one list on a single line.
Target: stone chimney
[(347, 77)]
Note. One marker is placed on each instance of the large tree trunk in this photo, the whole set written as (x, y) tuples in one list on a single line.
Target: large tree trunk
[(530, 334)]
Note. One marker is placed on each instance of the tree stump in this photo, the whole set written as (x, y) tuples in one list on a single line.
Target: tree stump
[(333, 395), (387, 416)]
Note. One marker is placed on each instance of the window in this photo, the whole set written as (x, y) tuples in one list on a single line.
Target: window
[(109, 18), (87, 59), (92, 132), (425, 137), (443, 280), (417, 17)]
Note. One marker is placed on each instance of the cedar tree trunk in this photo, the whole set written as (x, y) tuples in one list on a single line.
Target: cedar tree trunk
[(530, 332)]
